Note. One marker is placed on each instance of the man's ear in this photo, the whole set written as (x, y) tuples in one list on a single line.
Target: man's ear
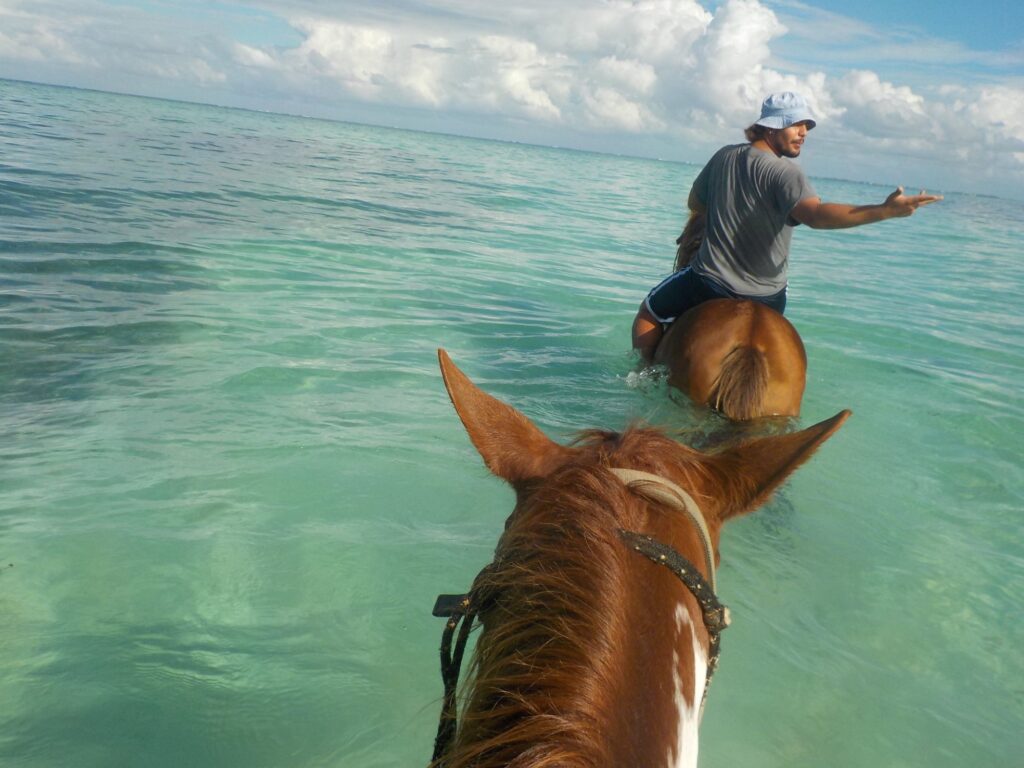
[(511, 445), (750, 472)]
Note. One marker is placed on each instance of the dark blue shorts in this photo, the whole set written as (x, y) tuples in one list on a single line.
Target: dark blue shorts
[(686, 289)]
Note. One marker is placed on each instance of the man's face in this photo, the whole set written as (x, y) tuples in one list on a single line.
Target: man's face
[(787, 142)]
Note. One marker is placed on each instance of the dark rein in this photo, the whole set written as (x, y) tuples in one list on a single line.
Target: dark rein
[(461, 610)]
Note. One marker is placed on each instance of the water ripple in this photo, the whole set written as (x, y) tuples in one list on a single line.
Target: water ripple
[(233, 481)]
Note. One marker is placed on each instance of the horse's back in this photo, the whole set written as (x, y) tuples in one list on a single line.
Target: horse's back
[(738, 356)]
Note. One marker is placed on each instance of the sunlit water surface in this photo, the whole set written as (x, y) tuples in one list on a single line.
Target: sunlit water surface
[(231, 483)]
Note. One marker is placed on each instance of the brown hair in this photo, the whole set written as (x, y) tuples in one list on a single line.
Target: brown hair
[(755, 132), (689, 241)]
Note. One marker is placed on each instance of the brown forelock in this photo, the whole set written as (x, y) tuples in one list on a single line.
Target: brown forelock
[(549, 685)]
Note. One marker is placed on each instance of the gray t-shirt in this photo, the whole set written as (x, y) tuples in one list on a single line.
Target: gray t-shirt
[(749, 195)]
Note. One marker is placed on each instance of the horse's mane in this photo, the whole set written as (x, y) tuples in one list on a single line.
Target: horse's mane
[(539, 689)]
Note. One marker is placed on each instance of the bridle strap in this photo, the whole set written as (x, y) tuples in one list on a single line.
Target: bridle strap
[(715, 615), (460, 612), (657, 488)]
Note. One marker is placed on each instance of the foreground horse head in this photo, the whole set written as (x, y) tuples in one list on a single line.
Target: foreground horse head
[(740, 357), (593, 652)]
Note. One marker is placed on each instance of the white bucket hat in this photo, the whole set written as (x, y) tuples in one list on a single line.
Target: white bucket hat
[(781, 110)]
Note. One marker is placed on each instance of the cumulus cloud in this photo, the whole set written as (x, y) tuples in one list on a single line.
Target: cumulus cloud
[(659, 30), (982, 128), (878, 108), (735, 50), (363, 61), (668, 68), (613, 66), (991, 118)]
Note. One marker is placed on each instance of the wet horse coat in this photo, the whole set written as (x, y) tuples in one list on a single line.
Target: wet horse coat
[(737, 356), (590, 654)]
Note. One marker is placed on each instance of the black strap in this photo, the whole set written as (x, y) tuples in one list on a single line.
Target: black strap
[(460, 610), (716, 615), (450, 605)]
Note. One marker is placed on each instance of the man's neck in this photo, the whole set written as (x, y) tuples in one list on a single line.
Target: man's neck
[(764, 146)]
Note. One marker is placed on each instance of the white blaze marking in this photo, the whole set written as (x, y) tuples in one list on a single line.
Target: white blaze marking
[(689, 714)]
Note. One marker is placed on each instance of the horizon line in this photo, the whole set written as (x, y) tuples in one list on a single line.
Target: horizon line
[(445, 133)]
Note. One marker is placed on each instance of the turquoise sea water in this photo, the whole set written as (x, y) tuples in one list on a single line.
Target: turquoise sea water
[(231, 483)]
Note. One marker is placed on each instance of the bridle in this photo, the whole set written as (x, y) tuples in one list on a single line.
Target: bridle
[(715, 615), (463, 609), (657, 488)]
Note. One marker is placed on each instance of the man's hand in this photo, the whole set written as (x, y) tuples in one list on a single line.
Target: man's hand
[(898, 205)]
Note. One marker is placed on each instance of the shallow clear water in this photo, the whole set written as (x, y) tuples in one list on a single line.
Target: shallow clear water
[(231, 483)]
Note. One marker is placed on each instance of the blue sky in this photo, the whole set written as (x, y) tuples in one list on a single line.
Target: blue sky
[(979, 25), (914, 93)]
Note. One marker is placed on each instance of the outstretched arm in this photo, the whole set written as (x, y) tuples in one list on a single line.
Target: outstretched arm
[(819, 215)]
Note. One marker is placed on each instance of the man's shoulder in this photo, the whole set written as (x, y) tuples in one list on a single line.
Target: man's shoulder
[(731, 150), (776, 167), (756, 160), (784, 164), (728, 156)]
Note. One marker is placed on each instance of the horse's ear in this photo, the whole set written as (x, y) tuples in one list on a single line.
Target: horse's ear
[(512, 447), (753, 470)]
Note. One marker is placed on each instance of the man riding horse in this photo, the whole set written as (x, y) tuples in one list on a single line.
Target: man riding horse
[(751, 197)]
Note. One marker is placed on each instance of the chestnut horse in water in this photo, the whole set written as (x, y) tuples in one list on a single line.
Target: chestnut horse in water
[(738, 356), (600, 621)]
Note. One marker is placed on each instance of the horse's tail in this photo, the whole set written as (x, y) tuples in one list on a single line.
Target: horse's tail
[(739, 390)]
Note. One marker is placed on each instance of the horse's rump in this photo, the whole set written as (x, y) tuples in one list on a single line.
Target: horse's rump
[(738, 356)]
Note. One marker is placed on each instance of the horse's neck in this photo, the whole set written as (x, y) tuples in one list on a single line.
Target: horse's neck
[(610, 669), (652, 682), (667, 675)]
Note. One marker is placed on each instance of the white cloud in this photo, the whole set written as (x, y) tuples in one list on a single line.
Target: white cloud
[(629, 74), (510, 73), (36, 39), (617, 66), (877, 108), (609, 107), (983, 123), (977, 131), (247, 56), (401, 66), (652, 30), (362, 60), (1000, 110)]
